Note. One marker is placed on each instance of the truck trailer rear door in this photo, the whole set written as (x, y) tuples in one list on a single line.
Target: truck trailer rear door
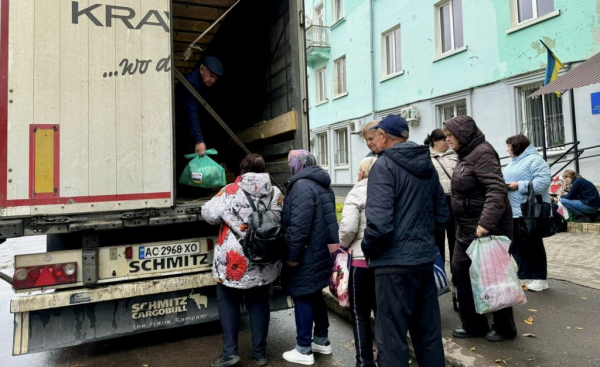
[(85, 106)]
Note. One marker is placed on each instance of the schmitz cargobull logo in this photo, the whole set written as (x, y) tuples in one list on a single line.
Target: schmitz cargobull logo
[(158, 308)]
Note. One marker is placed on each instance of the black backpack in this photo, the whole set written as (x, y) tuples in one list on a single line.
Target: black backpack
[(263, 243)]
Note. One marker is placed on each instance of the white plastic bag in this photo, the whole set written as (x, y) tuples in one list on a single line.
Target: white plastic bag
[(562, 211), (493, 278), (340, 277)]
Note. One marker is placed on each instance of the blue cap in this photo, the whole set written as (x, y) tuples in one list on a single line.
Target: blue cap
[(214, 65), (392, 124)]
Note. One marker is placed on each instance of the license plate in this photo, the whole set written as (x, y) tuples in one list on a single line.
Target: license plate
[(150, 252)]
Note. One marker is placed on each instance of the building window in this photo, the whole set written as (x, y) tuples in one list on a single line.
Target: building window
[(390, 41), (341, 142), (338, 10), (322, 149), (321, 86), (339, 79), (541, 117), (531, 9), (449, 21), (319, 15), (450, 110)]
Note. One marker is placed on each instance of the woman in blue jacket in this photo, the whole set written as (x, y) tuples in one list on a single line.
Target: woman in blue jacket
[(309, 225), (528, 251), (583, 199)]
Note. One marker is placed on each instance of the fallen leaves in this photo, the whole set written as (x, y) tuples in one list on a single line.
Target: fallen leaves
[(502, 361), (529, 320), (472, 349), (529, 335), (579, 328), (532, 310), (583, 297)]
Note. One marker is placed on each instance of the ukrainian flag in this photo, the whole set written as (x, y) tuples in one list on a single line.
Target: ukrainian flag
[(552, 67)]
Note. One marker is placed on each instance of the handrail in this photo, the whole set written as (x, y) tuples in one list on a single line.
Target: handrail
[(567, 152), (577, 155)]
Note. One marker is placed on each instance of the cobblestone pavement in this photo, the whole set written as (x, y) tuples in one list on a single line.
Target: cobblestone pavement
[(574, 257)]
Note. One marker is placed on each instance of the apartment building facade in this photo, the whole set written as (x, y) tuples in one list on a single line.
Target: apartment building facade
[(430, 61)]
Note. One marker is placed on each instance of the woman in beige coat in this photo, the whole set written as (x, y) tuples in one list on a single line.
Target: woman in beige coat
[(362, 279), (444, 160)]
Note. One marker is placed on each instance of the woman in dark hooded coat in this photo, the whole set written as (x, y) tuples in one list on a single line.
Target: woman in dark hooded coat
[(309, 225), (481, 208)]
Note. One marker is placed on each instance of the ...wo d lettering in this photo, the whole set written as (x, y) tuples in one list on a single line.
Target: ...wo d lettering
[(123, 13)]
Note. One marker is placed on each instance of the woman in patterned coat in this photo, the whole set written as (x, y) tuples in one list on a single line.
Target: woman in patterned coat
[(237, 278)]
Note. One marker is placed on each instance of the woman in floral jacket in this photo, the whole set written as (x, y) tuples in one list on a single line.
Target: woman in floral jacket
[(237, 278)]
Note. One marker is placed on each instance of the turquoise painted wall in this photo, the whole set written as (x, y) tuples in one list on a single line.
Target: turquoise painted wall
[(491, 54), (351, 38)]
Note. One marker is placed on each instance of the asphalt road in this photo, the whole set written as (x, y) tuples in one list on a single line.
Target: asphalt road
[(195, 345)]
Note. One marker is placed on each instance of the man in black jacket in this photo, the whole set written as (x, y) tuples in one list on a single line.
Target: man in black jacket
[(405, 203)]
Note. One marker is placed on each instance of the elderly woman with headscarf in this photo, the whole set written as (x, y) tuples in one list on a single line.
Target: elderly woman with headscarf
[(309, 225)]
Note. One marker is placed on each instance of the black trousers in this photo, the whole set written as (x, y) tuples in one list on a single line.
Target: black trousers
[(529, 253), (362, 302), (450, 232), (408, 302), (256, 299), (473, 322)]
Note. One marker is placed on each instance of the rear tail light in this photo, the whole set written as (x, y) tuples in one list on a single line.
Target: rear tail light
[(210, 244), (129, 253), (44, 275)]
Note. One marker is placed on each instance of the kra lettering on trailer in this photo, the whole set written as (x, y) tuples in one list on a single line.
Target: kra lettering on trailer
[(167, 263), (124, 14)]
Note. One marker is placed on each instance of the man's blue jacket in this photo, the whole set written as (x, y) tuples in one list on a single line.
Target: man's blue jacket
[(405, 203), (191, 106)]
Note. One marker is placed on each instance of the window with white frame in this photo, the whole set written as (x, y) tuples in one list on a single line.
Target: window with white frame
[(390, 44), (450, 110), (541, 118), (322, 149), (338, 10), (531, 9), (449, 24), (339, 78), (321, 85), (319, 15), (341, 146)]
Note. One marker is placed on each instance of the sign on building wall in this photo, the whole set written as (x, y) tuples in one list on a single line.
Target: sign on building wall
[(595, 103)]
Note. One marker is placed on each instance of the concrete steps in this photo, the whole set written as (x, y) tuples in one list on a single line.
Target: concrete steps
[(591, 228)]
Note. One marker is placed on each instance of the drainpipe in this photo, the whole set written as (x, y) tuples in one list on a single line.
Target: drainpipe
[(372, 41)]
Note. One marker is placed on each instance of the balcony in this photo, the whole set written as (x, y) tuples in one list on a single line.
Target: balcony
[(317, 43)]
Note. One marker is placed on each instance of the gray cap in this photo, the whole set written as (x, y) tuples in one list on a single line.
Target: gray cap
[(214, 65)]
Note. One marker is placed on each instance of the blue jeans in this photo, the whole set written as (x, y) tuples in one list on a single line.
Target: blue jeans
[(577, 207), (309, 309)]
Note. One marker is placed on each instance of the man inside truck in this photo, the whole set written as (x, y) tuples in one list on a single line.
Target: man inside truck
[(202, 79)]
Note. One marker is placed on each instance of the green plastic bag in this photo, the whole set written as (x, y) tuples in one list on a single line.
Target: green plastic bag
[(203, 171)]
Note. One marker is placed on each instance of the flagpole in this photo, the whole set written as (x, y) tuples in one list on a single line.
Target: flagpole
[(574, 128)]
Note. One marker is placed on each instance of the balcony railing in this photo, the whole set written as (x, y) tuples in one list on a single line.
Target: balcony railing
[(317, 36)]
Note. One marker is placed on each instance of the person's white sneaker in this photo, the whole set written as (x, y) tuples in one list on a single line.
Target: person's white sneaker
[(322, 349), (296, 357), (537, 285), (525, 281)]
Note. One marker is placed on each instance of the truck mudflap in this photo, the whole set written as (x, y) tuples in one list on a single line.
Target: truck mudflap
[(81, 319)]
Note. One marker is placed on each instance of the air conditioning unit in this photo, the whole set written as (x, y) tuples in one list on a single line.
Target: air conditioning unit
[(411, 115), (356, 127)]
